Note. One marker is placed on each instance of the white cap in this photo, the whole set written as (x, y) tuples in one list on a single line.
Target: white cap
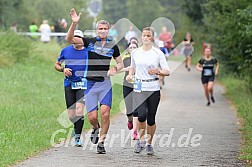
[(78, 33), (63, 20)]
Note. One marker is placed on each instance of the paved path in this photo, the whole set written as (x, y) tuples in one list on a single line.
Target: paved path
[(214, 138)]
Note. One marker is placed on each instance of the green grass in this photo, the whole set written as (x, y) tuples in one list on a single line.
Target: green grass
[(32, 98), (241, 97)]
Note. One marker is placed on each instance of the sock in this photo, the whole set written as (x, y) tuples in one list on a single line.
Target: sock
[(142, 143), (73, 120), (79, 125)]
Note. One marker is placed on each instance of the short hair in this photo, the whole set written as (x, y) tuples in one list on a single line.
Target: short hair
[(102, 22), (151, 29)]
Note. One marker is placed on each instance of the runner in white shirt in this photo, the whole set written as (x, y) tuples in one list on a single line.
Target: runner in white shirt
[(144, 63)]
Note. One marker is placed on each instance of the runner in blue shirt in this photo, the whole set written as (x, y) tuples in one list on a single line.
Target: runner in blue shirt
[(75, 69)]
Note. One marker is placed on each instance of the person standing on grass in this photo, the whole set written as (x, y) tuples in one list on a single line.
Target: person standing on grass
[(99, 88), (128, 91), (144, 63), (45, 30), (33, 28), (75, 59), (206, 66)]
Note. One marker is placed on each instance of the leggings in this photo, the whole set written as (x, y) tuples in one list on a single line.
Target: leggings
[(128, 99), (145, 104)]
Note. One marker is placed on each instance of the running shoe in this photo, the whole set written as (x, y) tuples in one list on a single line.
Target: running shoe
[(77, 142), (208, 103), (213, 100), (95, 135), (130, 125), (149, 150), (139, 147), (101, 148)]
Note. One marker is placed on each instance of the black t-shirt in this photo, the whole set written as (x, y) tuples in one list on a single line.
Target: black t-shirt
[(208, 66), (126, 63), (99, 57)]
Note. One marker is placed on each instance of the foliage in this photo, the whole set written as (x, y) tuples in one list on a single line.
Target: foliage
[(193, 10), (23, 12), (143, 16), (230, 26), (14, 48)]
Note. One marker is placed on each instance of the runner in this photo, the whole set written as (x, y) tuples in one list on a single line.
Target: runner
[(128, 91), (206, 66), (145, 62), (99, 89), (188, 42), (74, 57)]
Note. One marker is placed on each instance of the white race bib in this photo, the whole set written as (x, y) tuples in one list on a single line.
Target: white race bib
[(138, 86), (79, 85), (208, 72)]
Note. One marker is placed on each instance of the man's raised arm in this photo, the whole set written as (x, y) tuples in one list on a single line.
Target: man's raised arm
[(70, 33)]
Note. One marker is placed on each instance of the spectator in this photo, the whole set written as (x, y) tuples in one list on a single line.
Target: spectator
[(33, 28), (45, 32)]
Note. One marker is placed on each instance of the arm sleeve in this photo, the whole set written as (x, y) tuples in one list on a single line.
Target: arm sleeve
[(116, 51), (215, 61), (163, 63), (200, 61), (61, 56)]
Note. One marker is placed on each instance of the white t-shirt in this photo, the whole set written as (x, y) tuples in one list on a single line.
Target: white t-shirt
[(45, 30), (142, 61)]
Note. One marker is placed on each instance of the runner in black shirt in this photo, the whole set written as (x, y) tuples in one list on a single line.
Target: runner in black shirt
[(100, 51), (206, 66)]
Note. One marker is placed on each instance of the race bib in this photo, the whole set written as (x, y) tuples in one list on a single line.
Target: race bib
[(79, 85), (208, 72), (137, 86)]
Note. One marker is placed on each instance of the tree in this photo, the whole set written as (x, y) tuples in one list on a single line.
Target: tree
[(113, 10), (229, 24), (143, 12), (193, 10), (8, 12)]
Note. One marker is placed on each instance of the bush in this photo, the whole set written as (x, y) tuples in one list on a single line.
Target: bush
[(14, 48)]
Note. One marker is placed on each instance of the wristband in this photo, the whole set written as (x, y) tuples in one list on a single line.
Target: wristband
[(62, 69)]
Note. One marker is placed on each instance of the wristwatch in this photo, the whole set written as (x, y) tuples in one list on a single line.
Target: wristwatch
[(62, 69)]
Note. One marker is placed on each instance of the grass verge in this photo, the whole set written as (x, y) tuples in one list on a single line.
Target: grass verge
[(237, 91)]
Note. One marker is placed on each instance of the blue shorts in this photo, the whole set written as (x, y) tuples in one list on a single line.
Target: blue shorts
[(98, 92)]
